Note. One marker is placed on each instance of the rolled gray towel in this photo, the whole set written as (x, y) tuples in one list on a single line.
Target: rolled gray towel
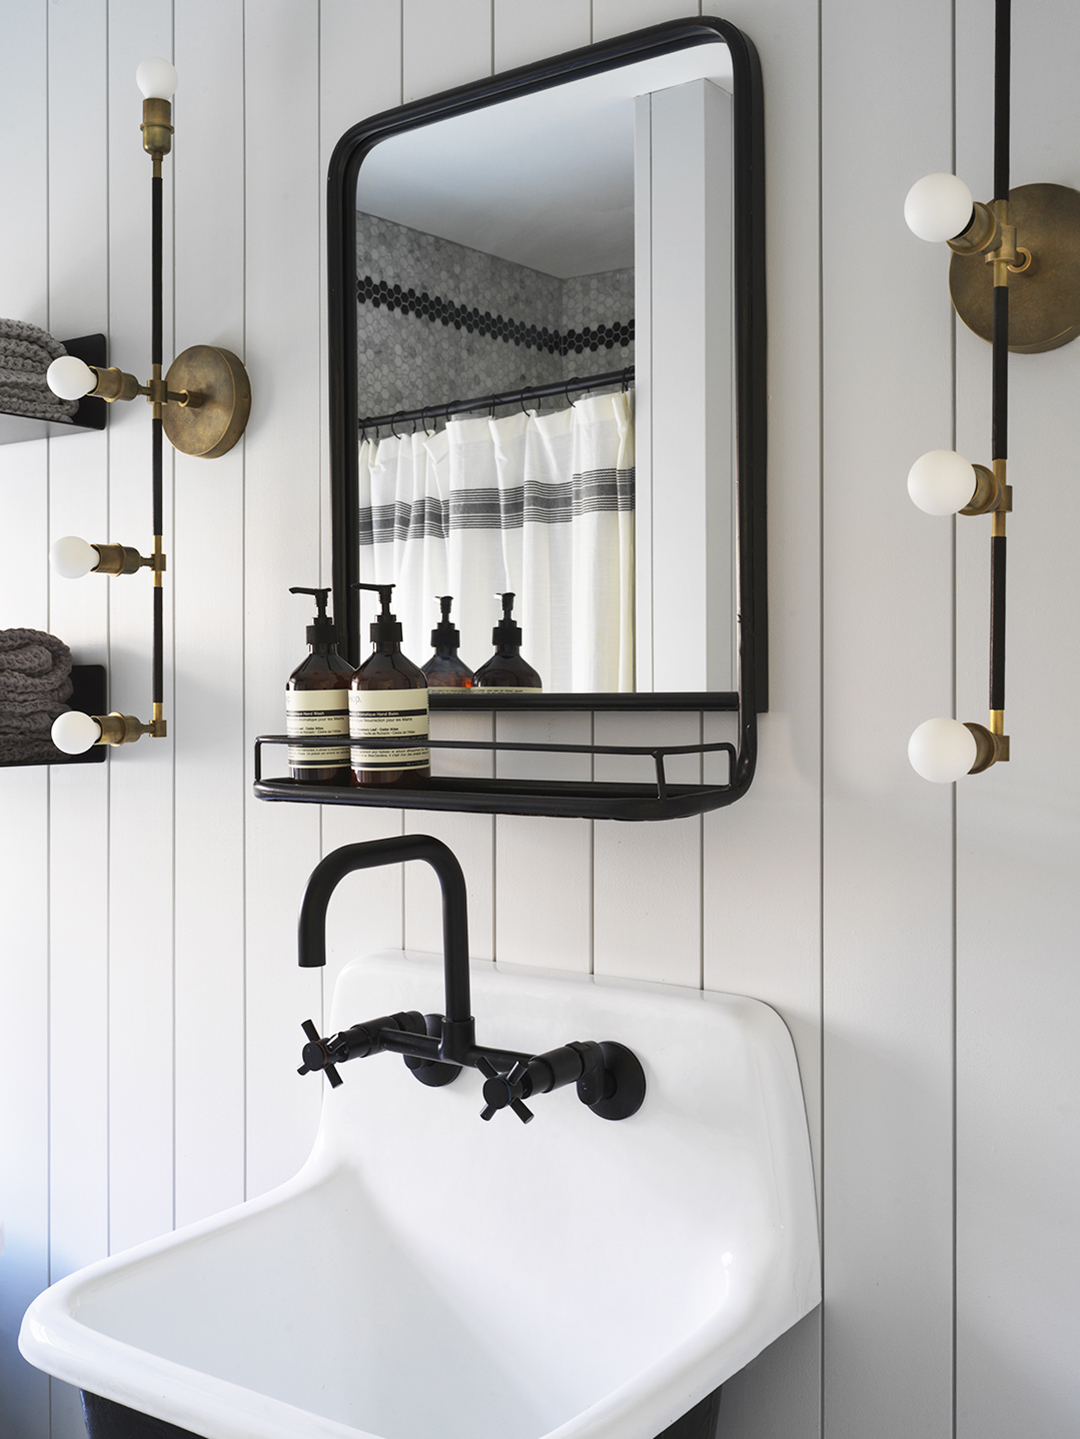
[(35, 682), (26, 352), (28, 749)]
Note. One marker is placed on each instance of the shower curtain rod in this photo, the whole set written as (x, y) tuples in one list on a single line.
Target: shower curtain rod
[(576, 385)]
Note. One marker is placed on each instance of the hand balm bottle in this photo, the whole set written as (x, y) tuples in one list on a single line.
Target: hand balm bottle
[(317, 702), (506, 673), (444, 670), (388, 700)]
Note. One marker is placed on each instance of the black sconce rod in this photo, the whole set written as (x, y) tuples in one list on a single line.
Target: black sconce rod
[(1000, 355), (156, 361)]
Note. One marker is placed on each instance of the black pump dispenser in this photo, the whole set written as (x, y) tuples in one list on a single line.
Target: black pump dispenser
[(507, 631), (385, 628), (445, 670), (444, 632), (506, 672), (322, 630)]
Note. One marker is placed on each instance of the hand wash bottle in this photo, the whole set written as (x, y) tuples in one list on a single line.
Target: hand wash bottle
[(388, 701), (317, 702)]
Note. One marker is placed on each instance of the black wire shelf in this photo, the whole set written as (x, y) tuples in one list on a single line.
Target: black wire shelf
[(566, 799)]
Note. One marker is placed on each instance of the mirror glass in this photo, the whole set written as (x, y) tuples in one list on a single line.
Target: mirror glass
[(583, 232)]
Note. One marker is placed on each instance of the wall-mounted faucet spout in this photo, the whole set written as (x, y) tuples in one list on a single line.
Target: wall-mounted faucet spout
[(328, 874), (608, 1077)]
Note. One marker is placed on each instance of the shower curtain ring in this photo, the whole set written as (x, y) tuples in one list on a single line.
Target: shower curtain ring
[(521, 399), (566, 390), (393, 422)]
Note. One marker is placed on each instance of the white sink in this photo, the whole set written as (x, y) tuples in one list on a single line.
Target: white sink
[(430, 1276)]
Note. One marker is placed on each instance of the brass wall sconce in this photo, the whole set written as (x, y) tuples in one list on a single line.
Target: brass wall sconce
[(201, 405), (1027, 242)]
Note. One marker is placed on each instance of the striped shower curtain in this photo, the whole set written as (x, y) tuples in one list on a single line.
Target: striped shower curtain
[(542, 505)]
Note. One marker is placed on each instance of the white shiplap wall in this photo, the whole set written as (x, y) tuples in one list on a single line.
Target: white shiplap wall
[(923, 953)]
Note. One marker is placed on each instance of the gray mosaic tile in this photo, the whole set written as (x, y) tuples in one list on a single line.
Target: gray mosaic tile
[(438, 321)]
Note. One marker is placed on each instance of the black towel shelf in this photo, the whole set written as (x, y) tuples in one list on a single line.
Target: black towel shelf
[(88, 695), (567, 799), (90, 415)]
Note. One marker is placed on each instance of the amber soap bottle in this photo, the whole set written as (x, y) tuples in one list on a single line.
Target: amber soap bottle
[(388, 700), (506, 673), (317, 702), (444, 670)]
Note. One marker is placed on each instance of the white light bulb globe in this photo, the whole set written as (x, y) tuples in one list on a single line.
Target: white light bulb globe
[(942, 750), (72, 558), (70, 378), (938, 207), (75, 732), (156, 78), (941, 482)]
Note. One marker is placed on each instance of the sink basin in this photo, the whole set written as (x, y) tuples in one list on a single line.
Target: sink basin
[(427, 1274)]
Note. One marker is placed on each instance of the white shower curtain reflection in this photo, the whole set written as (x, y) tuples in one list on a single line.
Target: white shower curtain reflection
[(539, 504)]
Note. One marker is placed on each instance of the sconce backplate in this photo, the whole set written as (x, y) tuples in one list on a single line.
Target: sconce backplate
[(220, 393), (1044, 299)]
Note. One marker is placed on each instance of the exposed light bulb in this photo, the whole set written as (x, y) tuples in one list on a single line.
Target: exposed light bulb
[(942, 750), (156, 78), (70, 378), (72, 557), (938, 207), (75, 732), (941, 482)]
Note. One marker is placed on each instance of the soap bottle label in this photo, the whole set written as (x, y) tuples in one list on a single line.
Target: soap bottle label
[(317, 712), (384, 715)]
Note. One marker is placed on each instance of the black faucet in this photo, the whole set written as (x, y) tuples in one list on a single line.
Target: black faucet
[(609, 1077)]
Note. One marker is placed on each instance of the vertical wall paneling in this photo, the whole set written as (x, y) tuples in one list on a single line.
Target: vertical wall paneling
[(888, 983), (1018, 853), (543, 867), (762, 864), (283, 199), (206, 591), (24, 834), (619, 17), (525, 32), (647, 877), (78, 613), (543, 884), (141, 1116), (860, 623), (444, 45)]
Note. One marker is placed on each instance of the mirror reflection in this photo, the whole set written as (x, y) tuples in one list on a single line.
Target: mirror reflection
[(544, 302)]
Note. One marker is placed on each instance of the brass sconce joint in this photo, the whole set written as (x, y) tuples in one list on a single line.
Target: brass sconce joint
[(157, 392), (156, 729), (120, 560), (1004, 256), (991, 746), (981, 234), (992, 495), (157, 129), (157, 560), (114, 384), (120, 729)]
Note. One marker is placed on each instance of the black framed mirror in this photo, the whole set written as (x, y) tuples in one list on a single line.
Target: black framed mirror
[(505, 185)]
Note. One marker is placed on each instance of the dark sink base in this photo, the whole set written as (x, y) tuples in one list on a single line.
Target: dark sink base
[(106, 1419)]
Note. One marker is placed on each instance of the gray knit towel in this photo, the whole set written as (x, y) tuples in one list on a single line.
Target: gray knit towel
[(35, 682), (26, 352)]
